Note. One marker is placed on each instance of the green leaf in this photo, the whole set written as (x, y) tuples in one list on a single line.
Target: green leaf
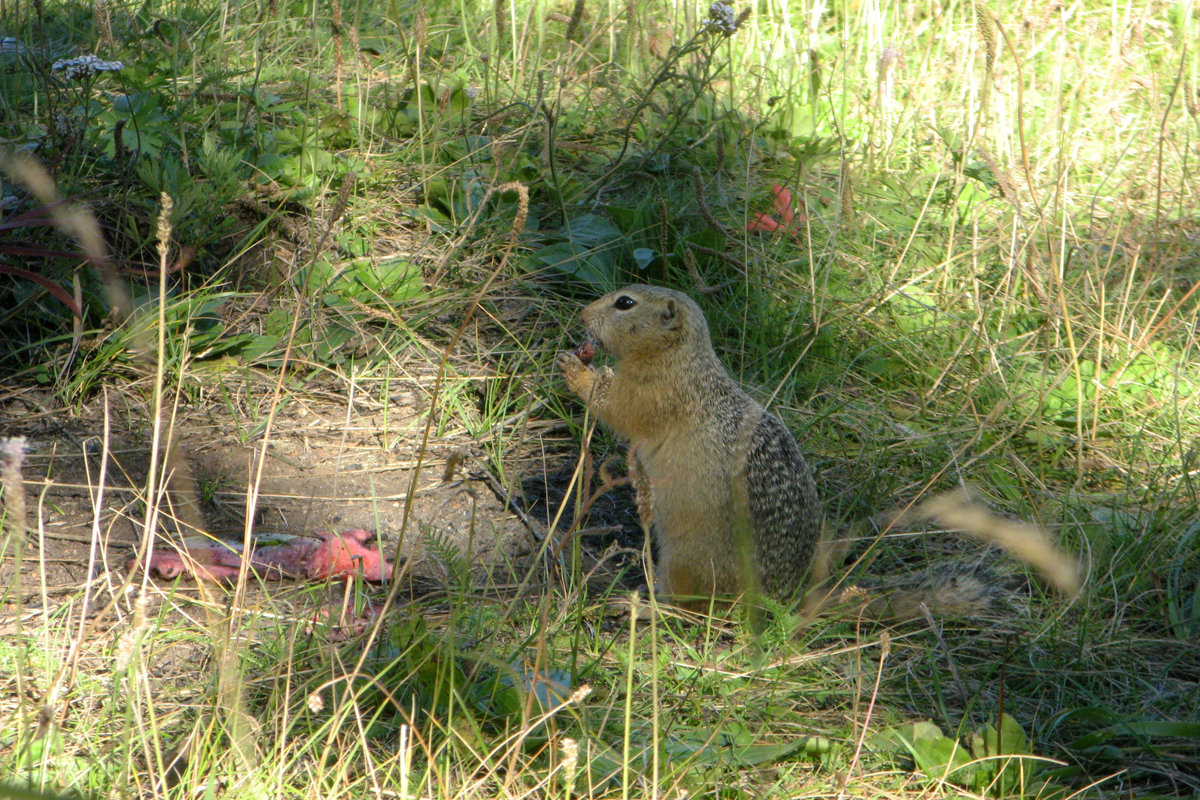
[(594, 269), (738, 746), (998, 752), (1139, 729), (1010, 739), (439, 222), (550, 688), (590, 230), (943, 759), (939, 757), (642, 256)]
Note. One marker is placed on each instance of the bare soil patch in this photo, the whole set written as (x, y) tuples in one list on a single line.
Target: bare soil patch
[(331, 460)]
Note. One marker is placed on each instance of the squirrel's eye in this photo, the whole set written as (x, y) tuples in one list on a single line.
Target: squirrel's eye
[(624, 302)]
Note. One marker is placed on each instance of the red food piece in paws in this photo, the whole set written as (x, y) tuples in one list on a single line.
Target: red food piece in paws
[(586, 351)]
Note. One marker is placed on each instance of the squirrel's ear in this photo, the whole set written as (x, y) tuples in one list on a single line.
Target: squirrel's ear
[(670, 313)]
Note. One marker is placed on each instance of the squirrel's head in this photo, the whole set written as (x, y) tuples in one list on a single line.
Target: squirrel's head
[(643, 322)]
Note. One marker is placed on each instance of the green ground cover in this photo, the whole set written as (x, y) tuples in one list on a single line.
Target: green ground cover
[(985, 273)]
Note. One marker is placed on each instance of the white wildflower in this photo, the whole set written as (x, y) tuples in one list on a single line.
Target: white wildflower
[(85, 66)]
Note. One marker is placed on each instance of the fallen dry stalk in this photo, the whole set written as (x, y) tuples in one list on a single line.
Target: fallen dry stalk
[(1030, 543)]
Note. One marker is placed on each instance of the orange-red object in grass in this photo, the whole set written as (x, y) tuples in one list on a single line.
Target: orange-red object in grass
[(330, 555), (791, 221)]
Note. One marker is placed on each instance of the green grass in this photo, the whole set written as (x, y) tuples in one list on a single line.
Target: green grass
[(994, 284)]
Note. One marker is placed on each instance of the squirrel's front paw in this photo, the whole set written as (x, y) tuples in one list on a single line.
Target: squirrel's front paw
[(573, 370), (569, 363)]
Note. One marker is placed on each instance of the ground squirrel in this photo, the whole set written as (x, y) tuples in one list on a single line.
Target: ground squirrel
[(719, 480)]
